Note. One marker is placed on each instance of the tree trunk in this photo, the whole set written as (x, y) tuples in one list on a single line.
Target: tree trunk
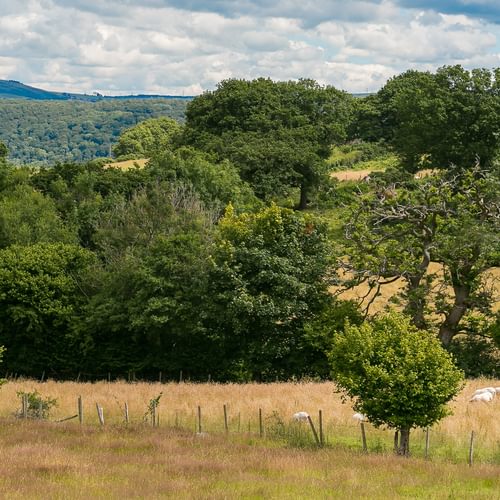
[(303, 198), (417, 295), (449, 327), (396, 442), (404, 442)]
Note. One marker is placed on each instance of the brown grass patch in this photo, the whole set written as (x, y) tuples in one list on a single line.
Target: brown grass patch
[(128, 164), (387, 292)]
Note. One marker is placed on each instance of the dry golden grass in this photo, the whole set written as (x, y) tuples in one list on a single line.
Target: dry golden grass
[(66, 460), (492, 277), (351, 175), (128, 164), (179, 403)]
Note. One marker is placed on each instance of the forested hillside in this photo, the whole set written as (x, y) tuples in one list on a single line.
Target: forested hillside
[(65, 131), (227, 252)]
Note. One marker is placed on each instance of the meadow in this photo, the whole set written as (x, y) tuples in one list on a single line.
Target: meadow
[(47, 459)]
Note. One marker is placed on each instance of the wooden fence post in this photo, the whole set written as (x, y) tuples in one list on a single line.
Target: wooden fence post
[(199, 419), (25, 406), (427, 440), (100, 413), (80, 410), (471, 449), (315, 434), (261, 426), (126, 412), (226, 426), (363, 436), (321, 434)]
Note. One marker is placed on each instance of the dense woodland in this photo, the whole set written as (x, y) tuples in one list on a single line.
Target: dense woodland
[(226, 255), (46, 132)]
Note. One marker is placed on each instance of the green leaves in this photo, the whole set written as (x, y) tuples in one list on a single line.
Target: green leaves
[(41, 297), (437, 120), (397, 375), (265, 281), (276, 133)]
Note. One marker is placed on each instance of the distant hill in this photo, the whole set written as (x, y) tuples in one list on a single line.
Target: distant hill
[(11, 89)]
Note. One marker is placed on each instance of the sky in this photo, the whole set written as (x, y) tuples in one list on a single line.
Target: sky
[(186, 47)]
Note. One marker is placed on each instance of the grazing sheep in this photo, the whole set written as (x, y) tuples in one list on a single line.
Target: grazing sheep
[(490, 390), (360, 417), (485, 397), (497, 390), (301, 416)]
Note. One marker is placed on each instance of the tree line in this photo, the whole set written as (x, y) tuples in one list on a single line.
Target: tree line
[(219, 257)]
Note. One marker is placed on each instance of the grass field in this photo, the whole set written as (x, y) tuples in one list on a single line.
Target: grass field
[(65, 460), (128, 164)]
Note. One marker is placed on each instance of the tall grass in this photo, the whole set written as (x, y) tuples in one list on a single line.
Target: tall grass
[(43, 459), (278, 401)]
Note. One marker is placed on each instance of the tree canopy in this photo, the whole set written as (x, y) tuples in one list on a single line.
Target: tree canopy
[(276, 133), (396, 375), (435, 120)]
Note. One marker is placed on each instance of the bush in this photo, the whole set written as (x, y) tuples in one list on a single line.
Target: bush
[(476, 356), (37, 406)]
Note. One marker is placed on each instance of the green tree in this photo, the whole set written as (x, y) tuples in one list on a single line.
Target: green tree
[(148, 138), (396, 231), (3, 152), (41, 297), (435, 120), (266, 279), (216, 184), (277, 133), (397, 375), (28, 217), (146, 313)]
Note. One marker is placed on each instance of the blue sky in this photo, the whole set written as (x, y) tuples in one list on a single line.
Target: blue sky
[(184, 47)]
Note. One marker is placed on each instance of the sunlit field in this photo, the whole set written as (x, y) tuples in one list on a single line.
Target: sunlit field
[(49, 459)]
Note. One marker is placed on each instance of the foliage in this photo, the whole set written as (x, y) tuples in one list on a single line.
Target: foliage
[(151, 408), (216, 183), (399, 229), (266, 278), (476, 355), (4, 151), (319, 333), (74, 131), (145, 313), (435, 120), (396, 375), (41, 296), (28, 217), (353, 155), (276, 133), (38, 406), (149, 137)]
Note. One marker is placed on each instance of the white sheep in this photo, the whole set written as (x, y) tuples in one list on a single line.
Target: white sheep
[(360, 417), (485, 390), (301, 416), (497, 390), (485, 397)]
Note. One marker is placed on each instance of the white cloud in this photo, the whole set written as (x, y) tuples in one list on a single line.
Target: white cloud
[(174, 47)]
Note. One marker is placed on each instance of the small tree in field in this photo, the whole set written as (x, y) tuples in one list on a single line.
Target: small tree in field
[(396, 375)]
